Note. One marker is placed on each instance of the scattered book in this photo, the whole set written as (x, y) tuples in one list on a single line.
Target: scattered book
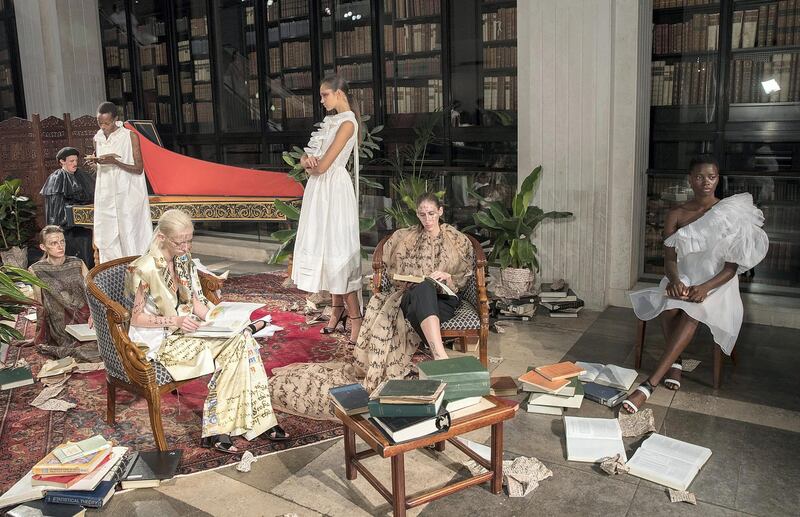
[(96, 498), (43, 509), (546, 291), (668, 461), (543, 410), (21, 492), (54, 367), (457, 404), (465, 376), (73, 450), (558, 296), (50, 464), (148, 469), (404, 429), (412, 391), (608, 375), (381, 409), (548, 399), (563, 314), (558, 371), (535, 379), (414, 279), (605, 395), (81, 332), (590, 439), (109, 466), (504, 386), (567, 391), (563, 306), (15, 377), (351, 399), (482, 405)]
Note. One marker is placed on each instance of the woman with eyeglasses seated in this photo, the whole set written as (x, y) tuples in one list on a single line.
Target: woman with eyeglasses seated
[(168, 307), (396, 321), (64, 302)]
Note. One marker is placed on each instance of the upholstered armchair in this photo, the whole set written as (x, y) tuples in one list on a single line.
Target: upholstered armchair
[(126, 365), (472, 315)]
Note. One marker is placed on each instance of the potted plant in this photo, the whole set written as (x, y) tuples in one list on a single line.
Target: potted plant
[(510, 233), (12, 300), (17, 216)]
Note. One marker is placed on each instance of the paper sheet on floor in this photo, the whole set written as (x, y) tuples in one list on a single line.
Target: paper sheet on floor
[(522, 475), (613, 465), (89, 367), (245, 464), (681, 496), (46, 394), (636, 424), (56, 405), (56, 380)]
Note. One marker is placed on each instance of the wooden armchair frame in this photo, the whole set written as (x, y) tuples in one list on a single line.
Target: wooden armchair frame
[(140, 371), (483, 300)]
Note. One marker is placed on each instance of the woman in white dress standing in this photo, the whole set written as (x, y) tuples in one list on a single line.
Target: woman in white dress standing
[(327, 251), (707, 243)]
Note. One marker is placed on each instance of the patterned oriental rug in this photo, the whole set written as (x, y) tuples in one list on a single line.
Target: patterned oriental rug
[(28, 433)]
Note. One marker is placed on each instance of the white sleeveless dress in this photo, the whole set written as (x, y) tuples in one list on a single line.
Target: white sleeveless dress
[(729, 232), (122, 224), (327, 250)]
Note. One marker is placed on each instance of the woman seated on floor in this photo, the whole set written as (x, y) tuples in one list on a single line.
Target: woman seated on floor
[(707, 243), (64, 303), (168, 306), (395, 321)]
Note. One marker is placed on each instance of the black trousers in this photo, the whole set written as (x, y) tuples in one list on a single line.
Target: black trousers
[(422, 301)]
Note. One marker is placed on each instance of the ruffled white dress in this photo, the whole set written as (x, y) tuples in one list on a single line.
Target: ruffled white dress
[(729, 232), (327, 250)]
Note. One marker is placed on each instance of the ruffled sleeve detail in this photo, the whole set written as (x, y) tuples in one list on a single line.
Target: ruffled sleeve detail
[(732, 229), (315, 143)]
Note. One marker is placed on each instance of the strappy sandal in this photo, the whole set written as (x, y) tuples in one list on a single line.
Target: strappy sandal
[(219, 442), (255, 327), (673, 378), (342, 319), (276, 434), (350, 341), (646, 389)]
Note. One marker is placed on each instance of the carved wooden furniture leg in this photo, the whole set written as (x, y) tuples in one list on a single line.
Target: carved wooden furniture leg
[(497, 458), (349, 452), (399, 485), (154, 408)]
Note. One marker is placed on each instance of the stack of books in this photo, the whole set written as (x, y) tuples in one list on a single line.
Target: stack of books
[(606, 384), (466, 378), (409, 409), (552, 388), (521, 309), (561, 303)]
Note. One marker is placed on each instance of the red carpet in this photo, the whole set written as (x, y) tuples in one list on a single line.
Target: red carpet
[(28, 433)]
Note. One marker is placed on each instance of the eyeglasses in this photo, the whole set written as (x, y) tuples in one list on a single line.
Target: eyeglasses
[(181, 244)]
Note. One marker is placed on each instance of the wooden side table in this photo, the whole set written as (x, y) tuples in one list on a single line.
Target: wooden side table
[(379, 444)]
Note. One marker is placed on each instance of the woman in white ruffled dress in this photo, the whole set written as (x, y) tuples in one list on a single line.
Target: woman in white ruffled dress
[(708, 242), (327, 251)]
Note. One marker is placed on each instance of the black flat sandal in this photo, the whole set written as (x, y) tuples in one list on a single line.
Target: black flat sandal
[(219, 442), (276, 434)]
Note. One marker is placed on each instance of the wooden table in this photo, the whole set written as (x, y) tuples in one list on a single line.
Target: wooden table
[(379, 444)]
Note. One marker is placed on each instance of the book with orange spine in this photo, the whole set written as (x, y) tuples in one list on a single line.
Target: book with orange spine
[(534, 378), (558, 371)]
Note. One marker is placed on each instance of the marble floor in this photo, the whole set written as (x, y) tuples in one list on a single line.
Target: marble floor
[(752, 425)]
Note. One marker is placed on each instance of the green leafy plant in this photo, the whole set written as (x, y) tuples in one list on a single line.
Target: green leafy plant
[(511, 232), (17, 214), (408, 185), (12, 300)]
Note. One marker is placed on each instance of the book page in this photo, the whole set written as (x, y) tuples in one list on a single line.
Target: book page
[(616, 376), (227, 317), (662, 469), (592, 370), (580, 427), (592, 450), (677, 449)]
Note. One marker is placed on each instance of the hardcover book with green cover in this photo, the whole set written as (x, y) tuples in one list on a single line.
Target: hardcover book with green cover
[(465, 376), (15, 377), (380, 409), (408, 391)]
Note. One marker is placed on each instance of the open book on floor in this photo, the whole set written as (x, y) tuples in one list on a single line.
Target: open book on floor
[(590, 439), (608, 375), (668, 461), (414, 279)]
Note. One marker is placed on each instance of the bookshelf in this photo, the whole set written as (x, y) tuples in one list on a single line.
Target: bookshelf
[(115, 28), (12, 103), (714, 66), (195, 85), (152, 52)]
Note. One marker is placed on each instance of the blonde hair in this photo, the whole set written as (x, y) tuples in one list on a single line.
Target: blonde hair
[(171, 222), (48, 230)]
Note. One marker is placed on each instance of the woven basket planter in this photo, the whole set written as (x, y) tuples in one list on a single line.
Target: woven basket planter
[(518, 280)]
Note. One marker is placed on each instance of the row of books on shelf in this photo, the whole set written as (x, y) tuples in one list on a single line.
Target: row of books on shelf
[(500, 92), (197, 27), (747, 75), (152, 26), (414, 99), (297, 80), (411, 8), (153, 54), (153, 81), (773, 25), (197, 112), (274, 60), (782, 257), (416, 37), (364, 98), (407, 409), (701, 32), (249, 15), (118, 86), (292, 29), (117, 56), (299, 106), (160, 112), (413, 67), (202, 70), (252, 64), (202, 92), (355, 71), (499, 25), (685, 83), (296, 54), (781, 218), (666, 4), (288, 9), (500, 57), (87, 473), (356, 42), (114, 36)]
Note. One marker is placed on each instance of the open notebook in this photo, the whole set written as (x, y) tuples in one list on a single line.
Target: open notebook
[(590, 439), (668, 461)]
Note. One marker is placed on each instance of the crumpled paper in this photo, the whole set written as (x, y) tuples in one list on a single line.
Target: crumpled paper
[(681, 496), (56, 405), (56, 380), (636, 424), (688, 365), (521, 475), (89, 367), (46, 400), (246, 462), (495, 360), (613, 465)]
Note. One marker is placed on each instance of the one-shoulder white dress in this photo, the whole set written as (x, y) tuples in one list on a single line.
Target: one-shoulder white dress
[(729, 232), (327, 250)]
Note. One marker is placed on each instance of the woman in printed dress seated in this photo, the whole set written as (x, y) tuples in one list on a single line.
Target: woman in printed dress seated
[(707, 243), (168, 306), (396, 321)]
